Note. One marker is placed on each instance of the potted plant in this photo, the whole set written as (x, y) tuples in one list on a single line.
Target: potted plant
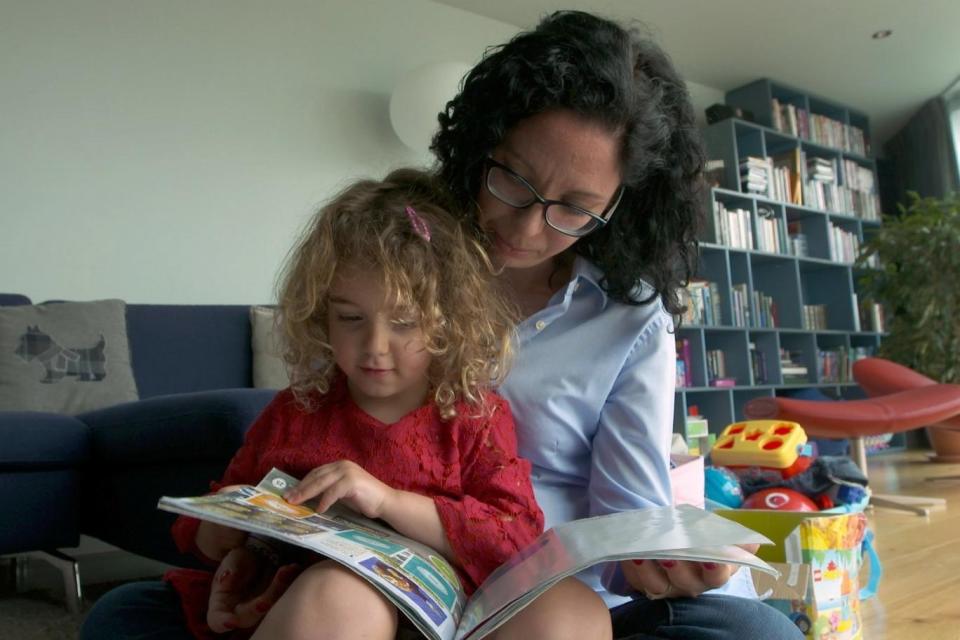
[(918, 284)]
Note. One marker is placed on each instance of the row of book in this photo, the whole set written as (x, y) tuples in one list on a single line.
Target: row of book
[(771, 236), (764, 311), (834, 365), (818, 128), (813, 181), (815, 317), (844, 246), (702, 301), (731, 227)]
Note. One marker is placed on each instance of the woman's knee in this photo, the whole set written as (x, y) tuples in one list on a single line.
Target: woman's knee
[(134, 610), (568, 610)]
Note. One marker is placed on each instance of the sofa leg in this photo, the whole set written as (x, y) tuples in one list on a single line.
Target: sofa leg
[(69, 569)]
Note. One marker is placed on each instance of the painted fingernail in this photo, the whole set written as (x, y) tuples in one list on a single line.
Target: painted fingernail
[(230, 625), (263, 607), (710, 566), (223, 577), (668, 564), (638, 562)]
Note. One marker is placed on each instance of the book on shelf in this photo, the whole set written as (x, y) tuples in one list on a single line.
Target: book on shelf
[(425, 587), (758, 365), (756, 175), (818, 128), (731, 227), (790, 186), (702, 300), (723, 382)]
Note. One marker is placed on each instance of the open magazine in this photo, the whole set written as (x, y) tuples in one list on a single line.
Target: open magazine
[(425, 587)]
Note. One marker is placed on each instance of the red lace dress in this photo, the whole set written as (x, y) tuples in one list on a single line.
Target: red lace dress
[(469, 466)]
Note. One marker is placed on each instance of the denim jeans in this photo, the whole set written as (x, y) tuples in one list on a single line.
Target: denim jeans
[(707, 617), (151, 611)]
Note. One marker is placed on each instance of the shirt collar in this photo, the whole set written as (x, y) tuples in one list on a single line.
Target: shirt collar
[(585, 272)]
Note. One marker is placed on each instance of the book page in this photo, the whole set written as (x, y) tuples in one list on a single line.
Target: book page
[(419, 581), (682, 533)]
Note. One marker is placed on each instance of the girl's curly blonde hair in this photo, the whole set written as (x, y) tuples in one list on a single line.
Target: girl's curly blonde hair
[(446, 282)]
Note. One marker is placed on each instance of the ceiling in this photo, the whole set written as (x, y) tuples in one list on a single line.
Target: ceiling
[(821, 46)]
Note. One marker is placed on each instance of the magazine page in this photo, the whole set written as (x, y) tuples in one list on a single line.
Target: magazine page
[(682, 533), (419, 581)]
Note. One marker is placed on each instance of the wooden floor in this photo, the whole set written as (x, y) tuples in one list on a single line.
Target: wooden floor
[(919, 595)]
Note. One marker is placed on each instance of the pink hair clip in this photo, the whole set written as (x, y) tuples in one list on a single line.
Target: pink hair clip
[(419, 225)]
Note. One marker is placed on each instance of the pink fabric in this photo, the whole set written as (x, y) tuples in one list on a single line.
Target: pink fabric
[(468, 465)]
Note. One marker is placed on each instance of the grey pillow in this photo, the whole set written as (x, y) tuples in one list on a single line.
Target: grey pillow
[(65, 357), (269, 369)]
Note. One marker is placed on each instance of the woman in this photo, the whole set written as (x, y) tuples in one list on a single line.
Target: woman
[(573, 148)]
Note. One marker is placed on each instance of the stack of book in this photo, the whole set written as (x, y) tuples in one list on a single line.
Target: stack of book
[(821, 189), (755, 175), (792, 372)]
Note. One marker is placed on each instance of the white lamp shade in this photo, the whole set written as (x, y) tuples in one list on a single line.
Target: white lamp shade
[(419, 96)]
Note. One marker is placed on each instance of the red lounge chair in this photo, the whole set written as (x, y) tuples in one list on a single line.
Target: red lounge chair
[(911, 408)]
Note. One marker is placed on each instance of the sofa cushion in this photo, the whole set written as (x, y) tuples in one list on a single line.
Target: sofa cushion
[(269, 369), (185, 348), (65, 357), (35, 441)]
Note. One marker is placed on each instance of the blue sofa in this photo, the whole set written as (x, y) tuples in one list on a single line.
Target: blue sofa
[(101, 473)]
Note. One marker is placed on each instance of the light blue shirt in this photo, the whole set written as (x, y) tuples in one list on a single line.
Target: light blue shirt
[(592, 391)]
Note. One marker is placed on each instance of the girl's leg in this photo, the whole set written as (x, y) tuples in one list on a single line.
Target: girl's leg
[(706, 617), (329, 601), (569, 610), (139, 610)]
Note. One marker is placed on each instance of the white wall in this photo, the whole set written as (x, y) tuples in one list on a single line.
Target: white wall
[(170, 150)]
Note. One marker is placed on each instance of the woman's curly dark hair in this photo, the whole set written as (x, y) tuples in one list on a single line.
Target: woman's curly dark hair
[(626, 83)]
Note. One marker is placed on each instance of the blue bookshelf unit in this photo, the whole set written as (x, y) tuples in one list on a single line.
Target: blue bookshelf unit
[(775, 307)]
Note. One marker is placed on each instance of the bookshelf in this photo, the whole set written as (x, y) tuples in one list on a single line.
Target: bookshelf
[(775, 306)]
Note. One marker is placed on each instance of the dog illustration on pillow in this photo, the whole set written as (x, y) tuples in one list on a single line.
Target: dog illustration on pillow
[(86, 364)]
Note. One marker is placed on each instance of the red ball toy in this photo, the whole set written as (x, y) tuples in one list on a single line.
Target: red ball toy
[(780, 499)]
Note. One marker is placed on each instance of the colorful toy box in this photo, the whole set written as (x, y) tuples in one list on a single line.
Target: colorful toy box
[(829, 547)]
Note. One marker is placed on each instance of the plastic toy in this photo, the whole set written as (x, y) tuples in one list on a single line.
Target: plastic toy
[(721, 485), (779, 499), (759, 443)]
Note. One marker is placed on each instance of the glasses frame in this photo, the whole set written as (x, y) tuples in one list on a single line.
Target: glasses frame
[(600, 219)]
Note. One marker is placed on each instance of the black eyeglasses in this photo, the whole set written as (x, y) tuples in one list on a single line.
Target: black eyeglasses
[(510, 188)]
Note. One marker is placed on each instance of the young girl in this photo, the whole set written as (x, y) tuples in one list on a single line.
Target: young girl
[(395, 335)]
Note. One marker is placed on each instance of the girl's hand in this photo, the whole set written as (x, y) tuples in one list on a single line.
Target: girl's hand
[(244, 588), (658, 579), (347, 481), (216, 540)]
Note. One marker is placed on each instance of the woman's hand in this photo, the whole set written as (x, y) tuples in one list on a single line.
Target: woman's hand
[(244, 588), (347, 481), (672, 579)]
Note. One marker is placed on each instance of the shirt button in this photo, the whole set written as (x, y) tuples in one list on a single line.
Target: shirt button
[(540, 325)]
